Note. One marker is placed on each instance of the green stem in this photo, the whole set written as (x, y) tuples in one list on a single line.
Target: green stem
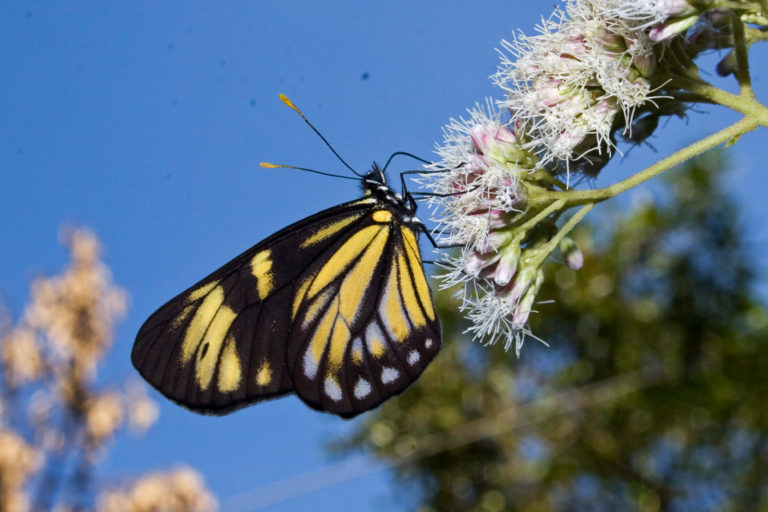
[(743, 104), (732, 132), (742, 60), (552, 207), (567, 227), (738, 6)]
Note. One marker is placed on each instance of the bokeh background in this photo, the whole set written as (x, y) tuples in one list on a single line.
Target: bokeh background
[(146, 121)]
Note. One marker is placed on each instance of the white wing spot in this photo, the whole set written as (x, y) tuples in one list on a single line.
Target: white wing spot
[(310, 365), (332, 389), (428, 343), (413, 357), (362, 388), (389, 375)]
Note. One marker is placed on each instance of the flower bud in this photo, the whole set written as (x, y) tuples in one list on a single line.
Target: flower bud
[(507, 265), (476, 262), (644, 64), (497, 239), (496, 142), (672, 27), (525, 304), (524, 278), (573, 256)]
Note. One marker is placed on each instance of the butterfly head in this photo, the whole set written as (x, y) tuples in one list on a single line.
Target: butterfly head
[(374, 179), (375, 184)]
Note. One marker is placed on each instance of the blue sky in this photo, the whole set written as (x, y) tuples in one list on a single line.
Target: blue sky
[(146, 121)]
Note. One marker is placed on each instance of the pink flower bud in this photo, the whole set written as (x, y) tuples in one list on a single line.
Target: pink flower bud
[(574, 258), (515, 290), (644, 64), (496, 142), (525, 304), (672, 27), (477, 263), (507, 265)]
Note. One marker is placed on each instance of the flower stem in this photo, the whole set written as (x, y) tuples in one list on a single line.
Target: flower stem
[(740, 6), (568, 226), (557, 204), (744, 104), (742, 60), (730, 133)]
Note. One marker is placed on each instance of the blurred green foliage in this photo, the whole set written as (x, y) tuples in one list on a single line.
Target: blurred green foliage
[(651, 397)]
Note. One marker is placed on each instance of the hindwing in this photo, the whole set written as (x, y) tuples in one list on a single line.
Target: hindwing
[(335, 307)]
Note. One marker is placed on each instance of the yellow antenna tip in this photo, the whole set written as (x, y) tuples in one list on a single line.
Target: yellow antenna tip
[(289, 103), (270, 166)]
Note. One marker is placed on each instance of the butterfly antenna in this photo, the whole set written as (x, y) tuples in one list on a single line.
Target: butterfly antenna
[(404, 153), (268, 165), (289, 103)]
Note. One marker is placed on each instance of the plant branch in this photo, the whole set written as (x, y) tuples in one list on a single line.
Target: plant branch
[(568, 226), (743, 104), (732, 132), (742, 60)]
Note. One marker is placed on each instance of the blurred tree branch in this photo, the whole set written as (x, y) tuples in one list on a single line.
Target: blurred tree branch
[(55, 421)]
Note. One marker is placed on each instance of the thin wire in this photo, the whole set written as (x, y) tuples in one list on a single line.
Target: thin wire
[(467, 433)]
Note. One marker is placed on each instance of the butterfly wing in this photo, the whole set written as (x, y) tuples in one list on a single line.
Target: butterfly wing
[(364, 323), (335, 307), (221, 344)]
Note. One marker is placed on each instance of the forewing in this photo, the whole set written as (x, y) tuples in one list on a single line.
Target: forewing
[(222, 344), (364, 325)]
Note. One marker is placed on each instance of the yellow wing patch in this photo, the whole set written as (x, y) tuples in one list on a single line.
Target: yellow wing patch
[(339, 342), (342, 258), (199, 323), (320, 338), (202, 291), (382, 216), (357, 351), (264, 374), (420, 280), (329, 230), (315, 307), (391, 308), (375, 340), (210, 345), (261, 268), (230, 369), (358, 279), (408, 294), (300, 293), (182, 316)]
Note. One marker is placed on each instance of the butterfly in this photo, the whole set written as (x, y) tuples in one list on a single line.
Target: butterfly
[(335, 308)]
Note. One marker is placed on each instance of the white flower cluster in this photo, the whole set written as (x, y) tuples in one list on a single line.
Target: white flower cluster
[(478, 193), (568, 90), (569, 83), (478, 176)]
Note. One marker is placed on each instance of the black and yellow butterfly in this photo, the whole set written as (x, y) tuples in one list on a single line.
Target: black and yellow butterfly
[(335, 308)]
